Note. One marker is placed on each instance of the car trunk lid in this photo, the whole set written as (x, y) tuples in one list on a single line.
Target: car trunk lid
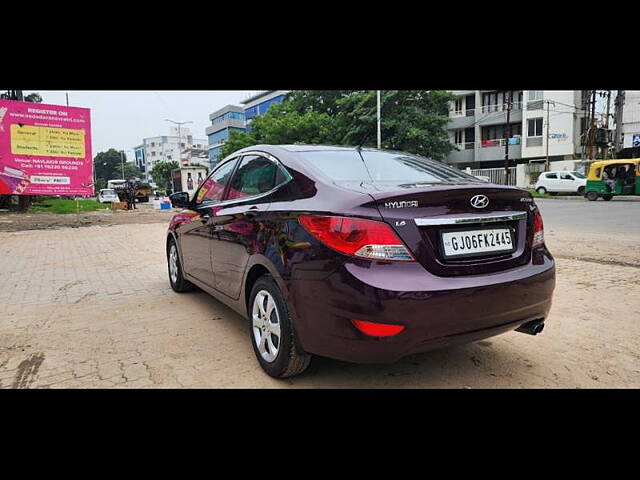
[(422, 214)]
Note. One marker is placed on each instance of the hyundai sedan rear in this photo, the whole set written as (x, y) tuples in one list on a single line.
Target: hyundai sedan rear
[(360, 255)]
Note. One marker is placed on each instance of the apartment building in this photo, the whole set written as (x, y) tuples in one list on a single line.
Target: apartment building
[(478, 127), (165, 148), (629, 140), (233, 117)]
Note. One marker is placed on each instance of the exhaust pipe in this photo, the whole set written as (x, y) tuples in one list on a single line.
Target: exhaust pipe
[(533, 327)]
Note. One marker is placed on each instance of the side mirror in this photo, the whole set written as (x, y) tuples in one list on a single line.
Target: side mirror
[(180, 200)]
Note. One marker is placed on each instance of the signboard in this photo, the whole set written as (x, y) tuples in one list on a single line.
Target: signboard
[(45, 149), (636, 140)]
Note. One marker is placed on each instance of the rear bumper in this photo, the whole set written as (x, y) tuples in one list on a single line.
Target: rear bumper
[(436, 311)]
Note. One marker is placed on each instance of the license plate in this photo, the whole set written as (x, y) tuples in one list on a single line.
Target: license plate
[(477, 242)]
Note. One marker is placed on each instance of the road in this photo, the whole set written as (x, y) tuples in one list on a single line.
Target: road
[(91, 307), (615, 216)]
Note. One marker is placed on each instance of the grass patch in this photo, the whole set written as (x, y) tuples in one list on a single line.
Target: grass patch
[(535, 194), (63, 206)]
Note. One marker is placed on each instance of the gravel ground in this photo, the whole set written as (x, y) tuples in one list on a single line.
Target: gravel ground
[(91, 307)]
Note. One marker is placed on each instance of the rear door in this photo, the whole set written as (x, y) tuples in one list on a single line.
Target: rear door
[(239, 224)]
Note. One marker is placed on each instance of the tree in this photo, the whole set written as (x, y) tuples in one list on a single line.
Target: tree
[(32, 97), (412, 120), (108, 165), (131, 170), (161, 173)]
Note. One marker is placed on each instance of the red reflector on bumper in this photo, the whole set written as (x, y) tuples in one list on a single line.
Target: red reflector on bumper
[(378, 329)]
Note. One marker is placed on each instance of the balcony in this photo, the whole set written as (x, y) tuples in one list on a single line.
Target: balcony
[(502, 107), (492, 150), (462, 113), (499, 142)]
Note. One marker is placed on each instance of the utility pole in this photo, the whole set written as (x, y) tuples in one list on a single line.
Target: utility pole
[(379, 130), (67, 95), (179, 137), (547, 160), (618, 116), (606, 124), (592, 126), (507, 135), (122, 161)]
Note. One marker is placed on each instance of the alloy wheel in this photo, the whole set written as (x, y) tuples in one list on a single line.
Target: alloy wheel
[(173, 263), (266, 325)]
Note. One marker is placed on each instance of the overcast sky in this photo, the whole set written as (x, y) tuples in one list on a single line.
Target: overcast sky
[(121, 119)]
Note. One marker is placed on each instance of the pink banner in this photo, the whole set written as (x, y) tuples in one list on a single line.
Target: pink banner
[(45, 149)]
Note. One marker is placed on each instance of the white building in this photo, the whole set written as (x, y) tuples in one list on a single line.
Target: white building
[(629, 146), (166, 148), (478, 120)]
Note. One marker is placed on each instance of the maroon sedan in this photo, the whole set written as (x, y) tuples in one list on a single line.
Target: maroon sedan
[(360, 255)]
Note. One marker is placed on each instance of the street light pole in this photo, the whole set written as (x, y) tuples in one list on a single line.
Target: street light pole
[(379, 130), (179, 135)]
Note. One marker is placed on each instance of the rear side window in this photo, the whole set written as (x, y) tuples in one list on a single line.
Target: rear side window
[(255, 175), (383, 167), (551, 175), (213, 188)]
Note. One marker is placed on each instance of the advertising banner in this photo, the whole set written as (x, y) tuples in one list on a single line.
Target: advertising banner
[(45, 149)]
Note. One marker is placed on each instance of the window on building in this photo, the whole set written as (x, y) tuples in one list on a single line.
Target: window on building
[(535, 95), (534, 127), (458, 105), (153, 144), (458, 135)]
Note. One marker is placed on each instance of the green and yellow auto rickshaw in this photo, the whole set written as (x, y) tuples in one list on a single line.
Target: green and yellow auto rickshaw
[(608, 178)]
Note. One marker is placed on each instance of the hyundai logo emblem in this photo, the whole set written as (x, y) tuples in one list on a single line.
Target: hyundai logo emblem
[(479, 201)]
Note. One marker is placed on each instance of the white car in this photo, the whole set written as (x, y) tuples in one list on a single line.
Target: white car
[(561, 182), (108, 195)]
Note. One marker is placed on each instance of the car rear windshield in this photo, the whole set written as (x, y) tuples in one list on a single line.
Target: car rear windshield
[(578, 175), (348, 165)]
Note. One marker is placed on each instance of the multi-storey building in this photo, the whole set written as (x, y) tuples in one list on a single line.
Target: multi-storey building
[(166, 148), (223, 122), (478, 120), (232, 117), (629, 128), (258, 104)]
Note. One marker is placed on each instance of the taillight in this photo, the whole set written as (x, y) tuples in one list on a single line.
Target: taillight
[(538, 231), (358, 237), (378, 329)]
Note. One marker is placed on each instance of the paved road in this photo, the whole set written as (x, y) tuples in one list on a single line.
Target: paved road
[(92, 307), (615, 216)]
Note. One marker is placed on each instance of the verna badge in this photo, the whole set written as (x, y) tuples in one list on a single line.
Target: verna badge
[(479, 201)]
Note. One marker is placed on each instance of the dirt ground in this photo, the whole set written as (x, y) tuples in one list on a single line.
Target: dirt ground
[(91, 307), (17, 222)]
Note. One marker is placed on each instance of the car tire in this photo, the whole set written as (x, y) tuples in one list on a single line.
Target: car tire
[(277, 355), (542, 190), (592, 196), (174, 265), (581, 190), (607, 197)]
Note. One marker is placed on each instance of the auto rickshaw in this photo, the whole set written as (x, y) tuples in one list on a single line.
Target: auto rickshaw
[(608, 178)]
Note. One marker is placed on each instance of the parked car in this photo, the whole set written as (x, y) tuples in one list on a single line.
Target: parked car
[(360, 255), (561, 182), (107, 195)]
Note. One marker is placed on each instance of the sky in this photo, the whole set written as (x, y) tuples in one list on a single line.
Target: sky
[(120, 119)]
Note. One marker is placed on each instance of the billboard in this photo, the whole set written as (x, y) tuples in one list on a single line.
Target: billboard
[(45, 149)]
